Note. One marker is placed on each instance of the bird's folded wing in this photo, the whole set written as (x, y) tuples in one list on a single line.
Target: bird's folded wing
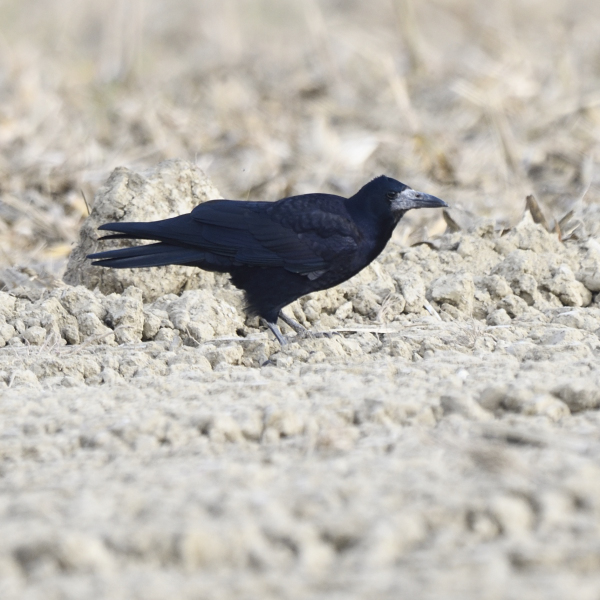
[(256, 235)]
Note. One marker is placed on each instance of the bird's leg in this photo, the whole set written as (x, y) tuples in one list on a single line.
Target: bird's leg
[(299, 329), (273, 327)]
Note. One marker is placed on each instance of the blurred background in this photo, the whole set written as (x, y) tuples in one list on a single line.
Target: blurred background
[(480, 103)]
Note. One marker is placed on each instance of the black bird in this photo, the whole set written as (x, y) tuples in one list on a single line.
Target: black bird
[(274, 251)]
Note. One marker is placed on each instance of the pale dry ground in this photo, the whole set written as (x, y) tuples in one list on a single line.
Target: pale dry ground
[(408, 456)]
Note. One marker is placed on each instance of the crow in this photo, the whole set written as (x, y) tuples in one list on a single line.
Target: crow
[(278, 251)]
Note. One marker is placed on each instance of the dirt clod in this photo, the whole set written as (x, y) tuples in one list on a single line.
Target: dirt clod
[(172, 188)]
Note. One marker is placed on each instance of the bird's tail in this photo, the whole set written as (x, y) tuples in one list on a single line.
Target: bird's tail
[(171, 248), (151, 255)]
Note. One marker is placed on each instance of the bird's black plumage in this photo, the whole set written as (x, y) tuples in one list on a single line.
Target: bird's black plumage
[(274, 251)]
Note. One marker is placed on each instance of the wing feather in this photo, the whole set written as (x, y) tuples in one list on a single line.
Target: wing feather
[(303, 234), (296, 233)]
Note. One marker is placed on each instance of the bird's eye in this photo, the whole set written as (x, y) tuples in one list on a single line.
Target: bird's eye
[(390, 195)]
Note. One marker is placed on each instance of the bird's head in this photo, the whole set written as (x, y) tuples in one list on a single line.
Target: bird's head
[(401, 198), (385, 195)]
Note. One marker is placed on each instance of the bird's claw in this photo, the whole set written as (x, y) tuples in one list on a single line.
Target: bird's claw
[(307, 334), (302, 332), (325, 334)]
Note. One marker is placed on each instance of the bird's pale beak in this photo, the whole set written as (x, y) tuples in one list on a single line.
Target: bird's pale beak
[(410, 198)]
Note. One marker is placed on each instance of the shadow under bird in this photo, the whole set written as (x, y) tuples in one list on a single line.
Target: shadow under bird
[(275, 251)]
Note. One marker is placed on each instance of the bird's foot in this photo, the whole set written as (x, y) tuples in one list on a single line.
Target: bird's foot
[(303, 332), (325, 334)]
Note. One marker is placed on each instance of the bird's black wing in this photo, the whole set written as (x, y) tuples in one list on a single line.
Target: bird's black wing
[(303, 234)]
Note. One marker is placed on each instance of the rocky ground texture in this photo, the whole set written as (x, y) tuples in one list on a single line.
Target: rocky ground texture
[(443, 440)]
